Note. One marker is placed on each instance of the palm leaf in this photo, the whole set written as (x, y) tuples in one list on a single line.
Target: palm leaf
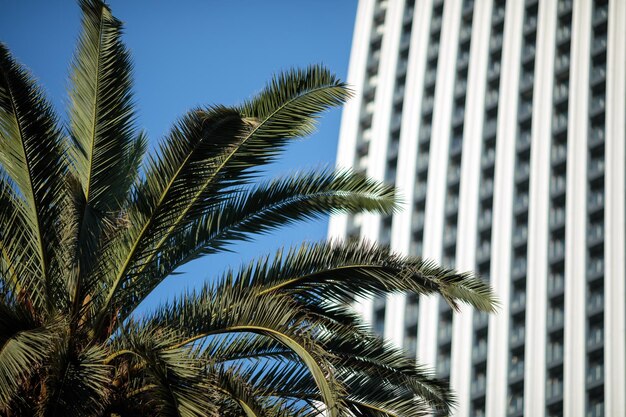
[(267, 206), (233, 309), (355, 352), (101, 108), (106, 152), (287, 108), (32, 154), (25, 347), (342, 271), (20, 281), (245, 346), (236, 389), (171, 381), (78, 382), (192, 146)]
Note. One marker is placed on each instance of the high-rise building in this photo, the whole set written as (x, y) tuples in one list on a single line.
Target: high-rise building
[(503, 125)]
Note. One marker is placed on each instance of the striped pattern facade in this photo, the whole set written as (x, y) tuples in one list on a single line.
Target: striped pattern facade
[(503, 125)]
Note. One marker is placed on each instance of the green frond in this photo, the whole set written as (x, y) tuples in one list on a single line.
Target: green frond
[(78, 383), (20, 281), (107, 151), (24, 348), (355, 352), (282, 201), (230, 308), (254, 136), (101, 108), (267, 206), (170, 381), (290, 104), (245, 346), (236, 389), (287, 384), (341, 271), (32, 153), (180, 167), (361, 354), (473, 291)]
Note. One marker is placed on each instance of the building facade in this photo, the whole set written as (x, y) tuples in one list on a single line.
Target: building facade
[(503, 125)]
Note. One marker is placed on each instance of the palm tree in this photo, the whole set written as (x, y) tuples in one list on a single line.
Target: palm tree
[(90, 225)]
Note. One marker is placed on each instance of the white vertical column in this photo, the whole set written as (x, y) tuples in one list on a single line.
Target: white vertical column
[(383, 104), (377, 155), (437, 168), (461, 364), (349, 129), (498, 342), (405, 180), (407, 156), (536, 290), (615, 213), (576, 214)]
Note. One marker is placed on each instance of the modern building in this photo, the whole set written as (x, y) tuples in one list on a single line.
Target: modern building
[(503, 124)]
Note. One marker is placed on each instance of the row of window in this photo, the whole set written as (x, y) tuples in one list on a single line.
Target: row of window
[(517, 318), (384, 237), (423, 148), (556, 260), (594, 380), (421, 178), (453, 178), (365, 130), (483, 240)]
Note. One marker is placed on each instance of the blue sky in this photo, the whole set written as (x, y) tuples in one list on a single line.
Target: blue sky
[(189, 53)]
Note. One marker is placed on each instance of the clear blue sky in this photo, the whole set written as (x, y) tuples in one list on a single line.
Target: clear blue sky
[(189, 53)]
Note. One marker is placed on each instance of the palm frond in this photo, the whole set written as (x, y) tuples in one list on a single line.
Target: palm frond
[(234, 388), (170, 381), (32, 153), (245, 347), (20, 281), (101, 108), (78, 382), (284, 384), (267, 206), (231, 308), (25, 347), (106, 152), (362, 355), (171, 177), (282, 201), (355, 352), (341, 271), (255, 135)]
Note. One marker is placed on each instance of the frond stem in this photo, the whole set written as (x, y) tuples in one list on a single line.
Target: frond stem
[(244, 406), (119, 353), (380, 410), (316, 371), (141, 390), (307, 276)]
